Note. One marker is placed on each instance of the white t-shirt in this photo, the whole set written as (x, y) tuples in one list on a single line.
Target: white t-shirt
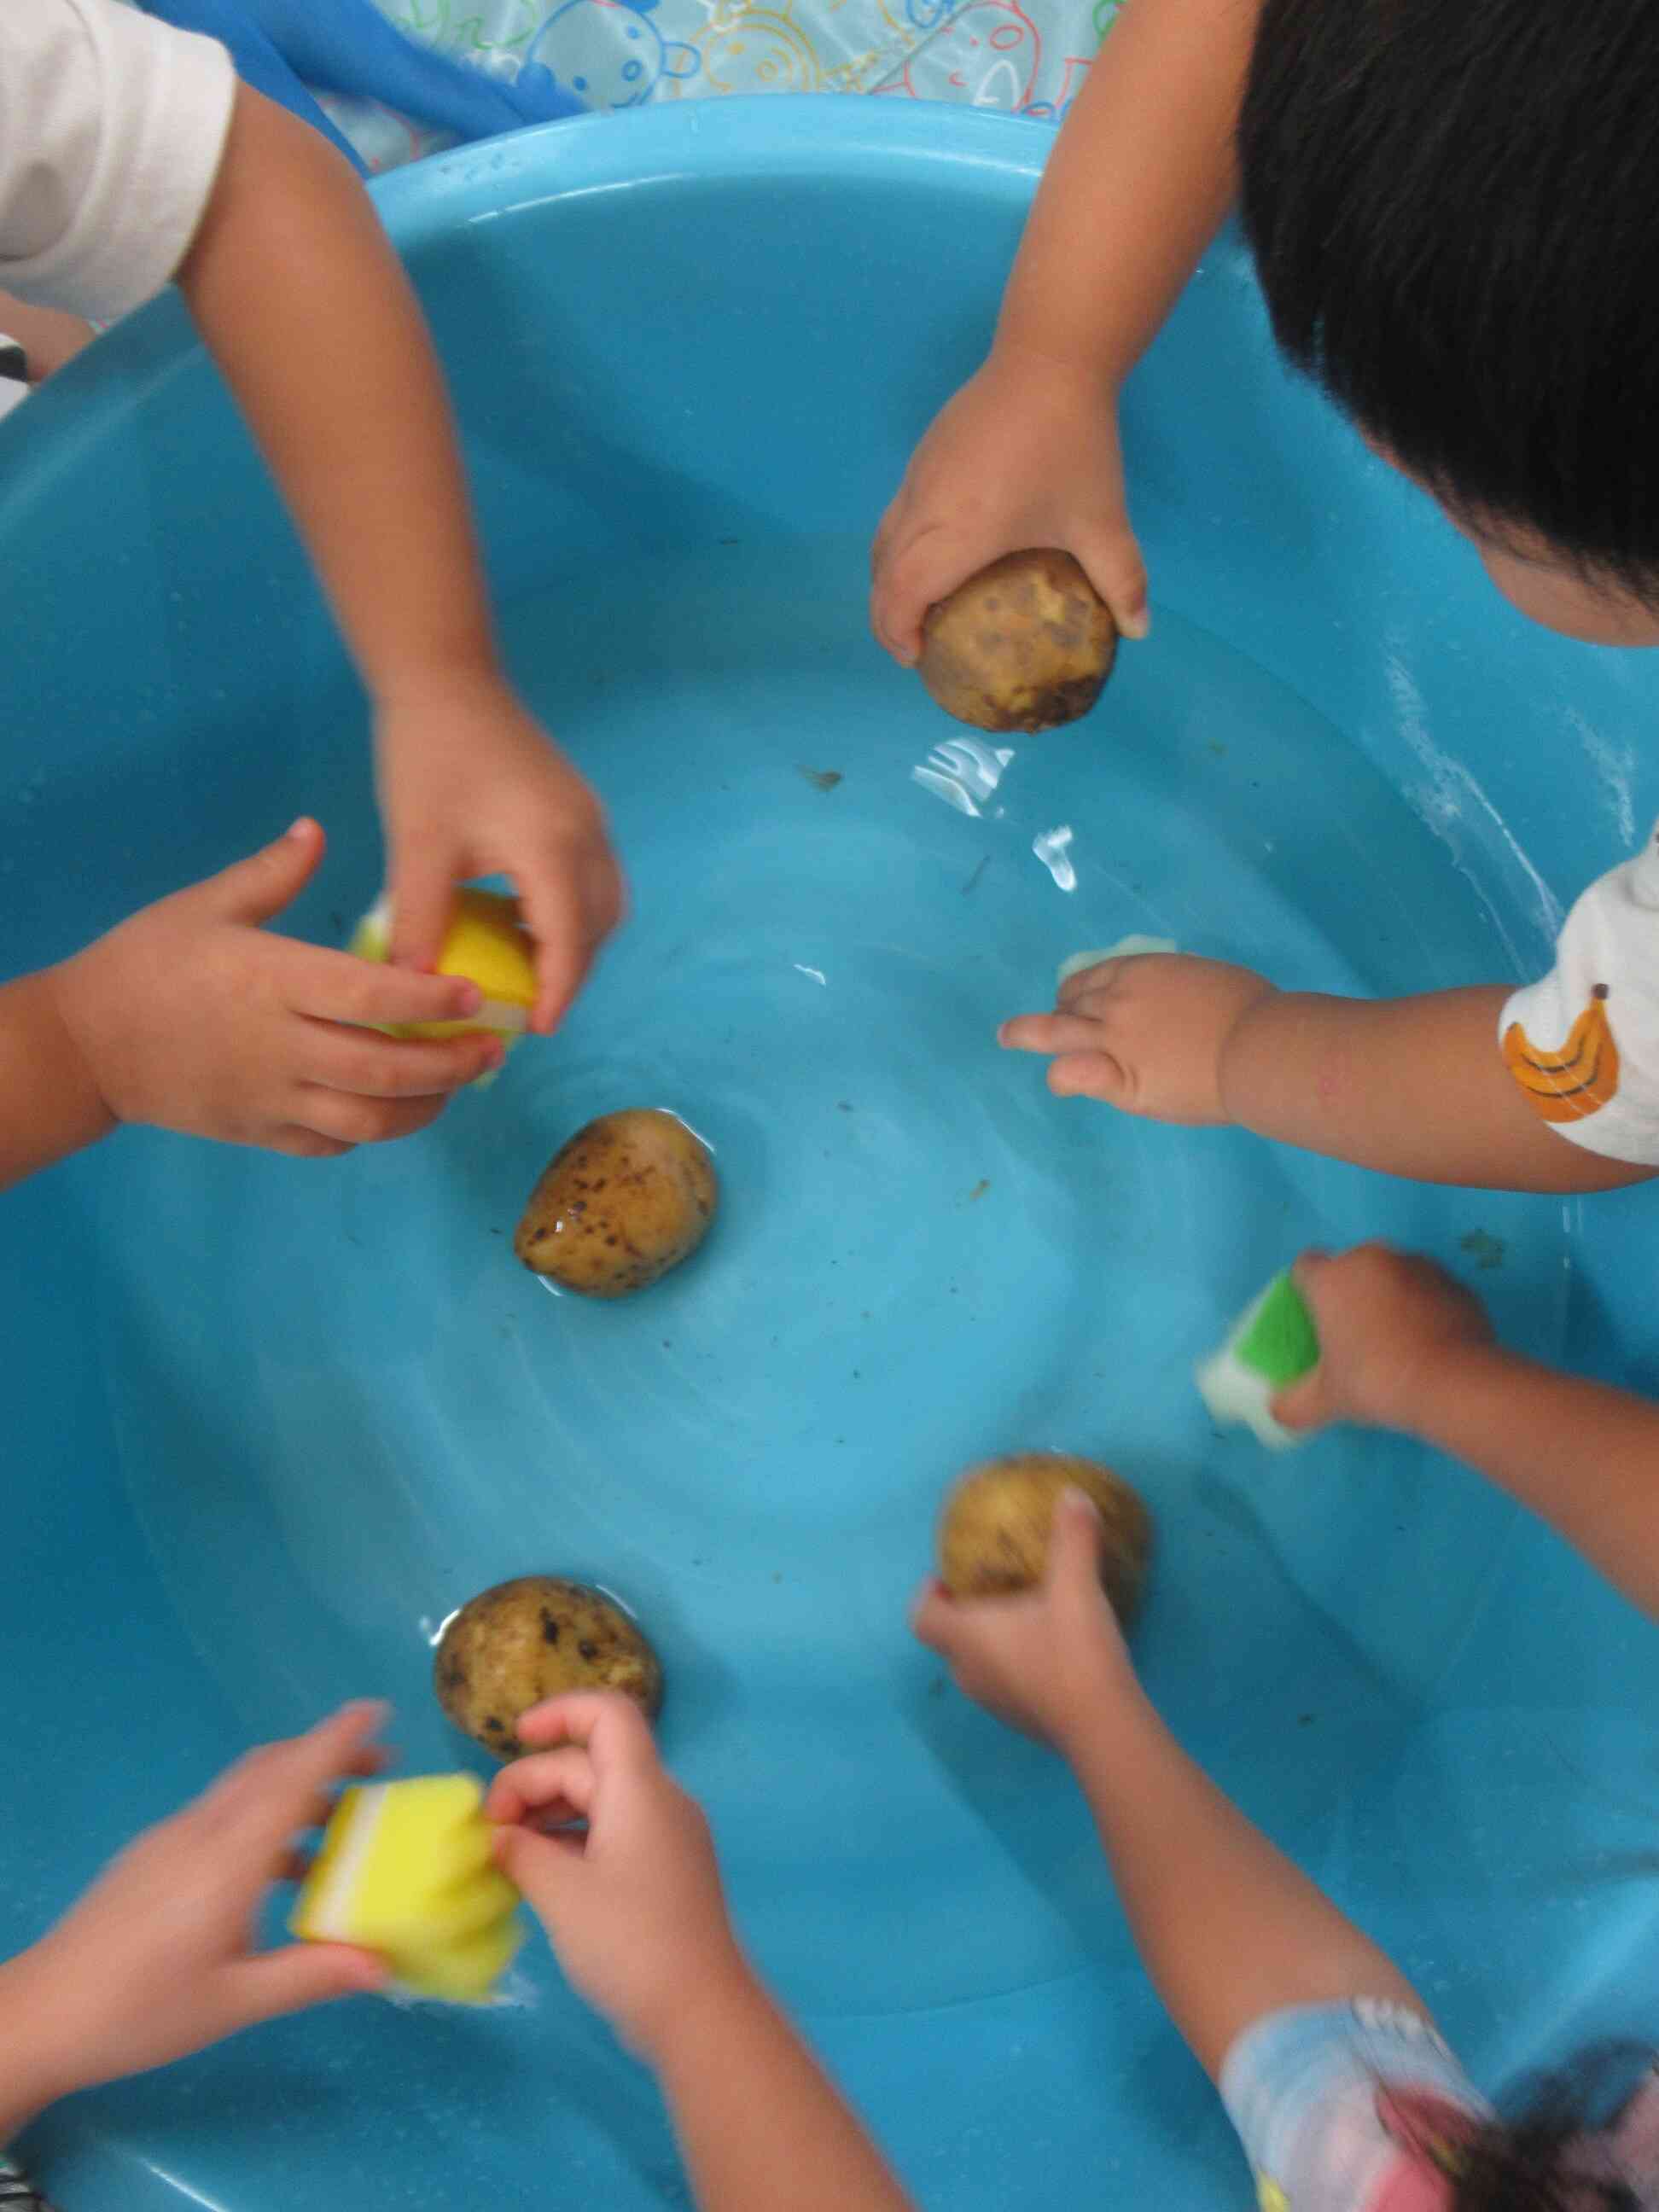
[(1583, 1044), (111, 130)]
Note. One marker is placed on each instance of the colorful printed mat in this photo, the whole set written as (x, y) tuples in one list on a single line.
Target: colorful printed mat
[(1024, 57)]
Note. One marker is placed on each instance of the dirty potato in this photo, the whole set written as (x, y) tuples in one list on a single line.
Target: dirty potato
[(993, 1533), (629, 1197), (1026, 644), (538, 1636)]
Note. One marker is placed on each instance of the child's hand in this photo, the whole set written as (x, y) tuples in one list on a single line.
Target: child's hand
[(159, 1957), (1025, 454), (634, 1908), (190, 1016), (472, 786), (1383, 1317), (1043, 1660), (1145, 1034)]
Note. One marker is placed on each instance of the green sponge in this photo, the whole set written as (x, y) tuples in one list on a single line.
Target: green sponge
[(1273, 1345)]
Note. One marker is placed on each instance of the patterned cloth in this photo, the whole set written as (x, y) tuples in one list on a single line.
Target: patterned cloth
[(1348, 2108), (1360, 2107), (1583, 1044), (17, 2192), (1024, 57)]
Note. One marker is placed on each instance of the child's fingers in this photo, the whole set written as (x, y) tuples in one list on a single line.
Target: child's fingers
[(568, 916), (257, 889), (923, 567), (260, 1802), (424, 873), (1114, 566), (544, 1783), (301, 1974), (1085, 983), (1048, 1033), (358, 1061), (933, 1617), (1302, 1406), (609, 1727), (337, 987), (1090, 1075), (297, 1144), (349, 1120), (374, 1758), (543, 1868), (1074, 1543)]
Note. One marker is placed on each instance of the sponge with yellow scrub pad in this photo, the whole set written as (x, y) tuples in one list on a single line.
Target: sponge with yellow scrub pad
[(488, 944), (406, 1870)]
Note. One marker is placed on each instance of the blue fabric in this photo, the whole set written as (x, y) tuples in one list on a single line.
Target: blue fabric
[(347, 46)]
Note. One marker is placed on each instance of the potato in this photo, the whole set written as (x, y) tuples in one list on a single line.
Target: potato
[(536, 1637), (993, 1533), (1026, 644), (629, 1197)]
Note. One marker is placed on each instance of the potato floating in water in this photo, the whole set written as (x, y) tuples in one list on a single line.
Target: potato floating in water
[(629, 1197), (538, 1636), (1026, 644), (993, 1533)]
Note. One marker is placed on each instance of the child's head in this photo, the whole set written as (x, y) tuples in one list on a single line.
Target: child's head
[(1454, 212), (1582, 2139)]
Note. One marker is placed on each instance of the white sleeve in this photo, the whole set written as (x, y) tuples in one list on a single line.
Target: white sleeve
[(1583, 1044), (111, 130)]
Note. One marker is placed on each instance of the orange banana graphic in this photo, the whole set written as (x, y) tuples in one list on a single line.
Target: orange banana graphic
[(1580, 1079)]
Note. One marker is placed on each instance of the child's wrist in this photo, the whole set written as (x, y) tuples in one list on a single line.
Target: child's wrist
[(1233, 1054), (1108, 1705), (464, 668), (69, 1063), (1102, 1742), (700, 2011), (36, 2068), (1427, 1395), (1022, 349)]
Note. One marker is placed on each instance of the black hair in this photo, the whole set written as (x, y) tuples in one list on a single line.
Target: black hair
[(1453, 207), (1533, 2156)]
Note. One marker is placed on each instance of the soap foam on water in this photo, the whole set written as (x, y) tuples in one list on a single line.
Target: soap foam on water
[(1127, 948)]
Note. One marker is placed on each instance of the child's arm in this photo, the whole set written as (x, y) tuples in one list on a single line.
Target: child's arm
[(1405, 1346), (303, 303), (193, 1016), (635, 1912), (1228, 1929), (159, 1959), (1413, 1087), (1026, 454)]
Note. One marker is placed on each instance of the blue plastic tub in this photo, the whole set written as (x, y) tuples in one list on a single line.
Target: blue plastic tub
[(267, 1422)]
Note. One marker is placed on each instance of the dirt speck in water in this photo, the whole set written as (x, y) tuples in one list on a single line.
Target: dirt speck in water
[(1487, 1252)]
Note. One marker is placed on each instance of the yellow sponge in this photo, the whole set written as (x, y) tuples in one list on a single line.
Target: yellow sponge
[(488, 944), (405, 1869)]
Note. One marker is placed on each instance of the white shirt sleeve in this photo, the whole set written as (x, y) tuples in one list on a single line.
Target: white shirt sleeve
[(1583, 1044), (111, 130)]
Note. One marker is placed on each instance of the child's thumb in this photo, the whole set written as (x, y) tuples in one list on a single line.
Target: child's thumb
[(1301, 1405), (302, 1974), (258, 889), (1075, 1541), (540, 1868)]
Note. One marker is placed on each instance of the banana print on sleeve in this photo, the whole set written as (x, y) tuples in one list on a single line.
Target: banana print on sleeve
[(1581, 1044), (1580, 1079)]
